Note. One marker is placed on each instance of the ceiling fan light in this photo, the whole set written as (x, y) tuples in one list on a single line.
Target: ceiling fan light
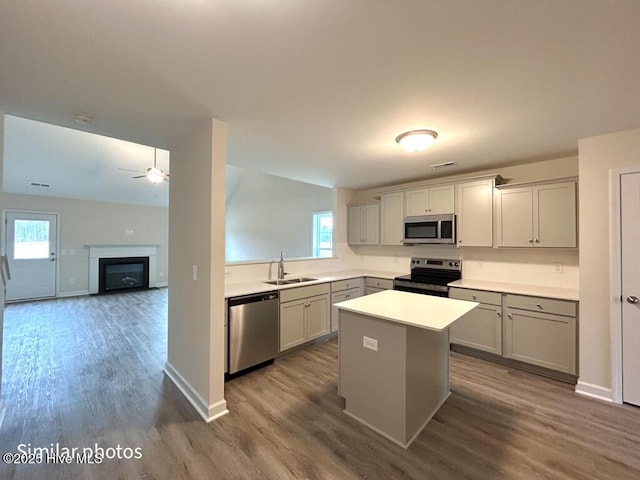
[(155, 175), (416, 140)]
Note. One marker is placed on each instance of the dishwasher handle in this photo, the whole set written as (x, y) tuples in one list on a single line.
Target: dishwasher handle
[(252, 298)]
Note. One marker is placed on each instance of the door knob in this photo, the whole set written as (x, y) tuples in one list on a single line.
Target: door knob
[(632, 299)]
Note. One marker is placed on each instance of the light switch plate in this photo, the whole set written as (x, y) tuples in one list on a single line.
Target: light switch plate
[(370, 343)]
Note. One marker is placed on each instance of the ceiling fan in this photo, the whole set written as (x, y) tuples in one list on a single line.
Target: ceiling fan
[(153, 174)]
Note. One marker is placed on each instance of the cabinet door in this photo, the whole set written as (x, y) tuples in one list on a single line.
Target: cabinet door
[(541, 339), (292, 316), (392, 219), (475, 213), (481, 328), (416, 202), (317, 316), (370, 290), (441, 200), (371, 229), (554, 213), (336, 298), (356, 225), (514, 217)]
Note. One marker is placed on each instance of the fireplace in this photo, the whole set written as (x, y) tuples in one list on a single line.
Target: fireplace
[(116, 274)]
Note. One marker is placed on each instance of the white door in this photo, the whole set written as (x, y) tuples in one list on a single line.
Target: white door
[(31, 247), (630, 239)]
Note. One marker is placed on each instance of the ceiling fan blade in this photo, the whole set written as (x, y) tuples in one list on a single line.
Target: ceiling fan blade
[(139, 176), (127, 170)]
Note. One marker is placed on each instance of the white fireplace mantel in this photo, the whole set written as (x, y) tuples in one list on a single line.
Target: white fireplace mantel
[(98, 251)]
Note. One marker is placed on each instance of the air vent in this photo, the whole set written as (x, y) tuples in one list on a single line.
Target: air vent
[(41, 185), (445, 164)]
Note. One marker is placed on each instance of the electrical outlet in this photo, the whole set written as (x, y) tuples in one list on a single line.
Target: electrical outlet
[(195, 272), (162, 274), (480, 264), (370, 343), (72, 281), (72, 251), (558, 267)]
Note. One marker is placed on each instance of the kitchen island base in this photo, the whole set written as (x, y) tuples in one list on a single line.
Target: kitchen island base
[(394, 377)]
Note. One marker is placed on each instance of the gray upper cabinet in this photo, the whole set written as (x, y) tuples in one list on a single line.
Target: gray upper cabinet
[(391, 218), (537, 216), (435, 200), (474, 215), (364, 224)]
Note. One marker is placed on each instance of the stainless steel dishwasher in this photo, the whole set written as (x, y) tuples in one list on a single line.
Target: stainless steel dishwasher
[(253, 330)]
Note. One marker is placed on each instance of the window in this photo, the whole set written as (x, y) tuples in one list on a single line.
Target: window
[(323, 234), (31, 239)]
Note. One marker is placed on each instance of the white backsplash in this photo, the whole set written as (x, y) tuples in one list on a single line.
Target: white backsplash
[(544, 267)]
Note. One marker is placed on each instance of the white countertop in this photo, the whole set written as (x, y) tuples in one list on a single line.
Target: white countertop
[(246, 288), (519, 289), (414, 309)]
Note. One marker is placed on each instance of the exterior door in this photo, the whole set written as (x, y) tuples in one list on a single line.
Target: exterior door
[(31, 247), (630, 239)]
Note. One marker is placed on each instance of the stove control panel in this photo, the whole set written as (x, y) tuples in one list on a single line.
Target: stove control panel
[(436, 263)]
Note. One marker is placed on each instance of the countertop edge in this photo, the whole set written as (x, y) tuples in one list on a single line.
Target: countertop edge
[(519, 289)]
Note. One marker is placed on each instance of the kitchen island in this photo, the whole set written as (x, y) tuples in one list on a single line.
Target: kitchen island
[(394, 359)]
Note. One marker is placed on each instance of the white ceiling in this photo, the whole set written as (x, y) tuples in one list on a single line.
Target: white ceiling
[(77, 164), (318, 90)]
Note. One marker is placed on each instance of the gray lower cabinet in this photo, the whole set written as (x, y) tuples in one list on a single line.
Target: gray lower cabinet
[(304, 315), (534, 330), (375, 284), (341, 291), (481, 328), (541, 331)]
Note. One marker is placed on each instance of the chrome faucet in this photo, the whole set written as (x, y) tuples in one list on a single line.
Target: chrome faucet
[(281, 272)]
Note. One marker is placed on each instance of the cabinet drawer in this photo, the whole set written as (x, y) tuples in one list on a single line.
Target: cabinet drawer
[(290, 294), (539, 304), (345, 284), (383, 283), (480, 296)]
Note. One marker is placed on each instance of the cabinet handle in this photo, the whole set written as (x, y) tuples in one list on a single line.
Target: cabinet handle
[(539, 306), (499, 314), (509, 316), (473, 296), (537, 240), (347, 296), (530, 241)]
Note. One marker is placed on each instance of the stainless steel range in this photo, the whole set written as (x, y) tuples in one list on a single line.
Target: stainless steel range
[(429, 276)]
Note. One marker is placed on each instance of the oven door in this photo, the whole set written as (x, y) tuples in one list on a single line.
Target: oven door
[(422, 288)]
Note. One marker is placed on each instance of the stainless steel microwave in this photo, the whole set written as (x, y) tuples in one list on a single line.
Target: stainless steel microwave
[(429, 229)]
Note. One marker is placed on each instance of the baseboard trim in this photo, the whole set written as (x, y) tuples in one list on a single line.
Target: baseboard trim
[(78, 293), (207, 412), (594, 391)]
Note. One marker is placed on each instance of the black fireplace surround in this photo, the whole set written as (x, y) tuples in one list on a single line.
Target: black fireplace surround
[(123, 274)]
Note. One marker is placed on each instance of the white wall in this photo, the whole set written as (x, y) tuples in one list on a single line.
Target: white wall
[(196, 238), (598, 156), (268, 214), (2, 234), (83, 221)]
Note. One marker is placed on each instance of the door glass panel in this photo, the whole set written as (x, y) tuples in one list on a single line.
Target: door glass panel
[(31, 239)]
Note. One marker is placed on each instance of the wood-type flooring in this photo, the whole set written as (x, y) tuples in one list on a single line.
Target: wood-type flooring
[(88, 370)]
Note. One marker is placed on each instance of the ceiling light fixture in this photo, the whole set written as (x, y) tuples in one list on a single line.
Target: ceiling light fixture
[(155, 175), (82, 118), (416, 140)]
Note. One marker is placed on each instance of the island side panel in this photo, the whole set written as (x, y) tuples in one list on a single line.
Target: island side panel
[(373, 382), (427, 377)]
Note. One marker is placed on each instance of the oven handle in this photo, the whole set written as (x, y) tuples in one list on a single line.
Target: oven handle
[(420, 286)]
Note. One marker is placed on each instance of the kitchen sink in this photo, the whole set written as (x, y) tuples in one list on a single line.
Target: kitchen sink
[(291, 281)]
